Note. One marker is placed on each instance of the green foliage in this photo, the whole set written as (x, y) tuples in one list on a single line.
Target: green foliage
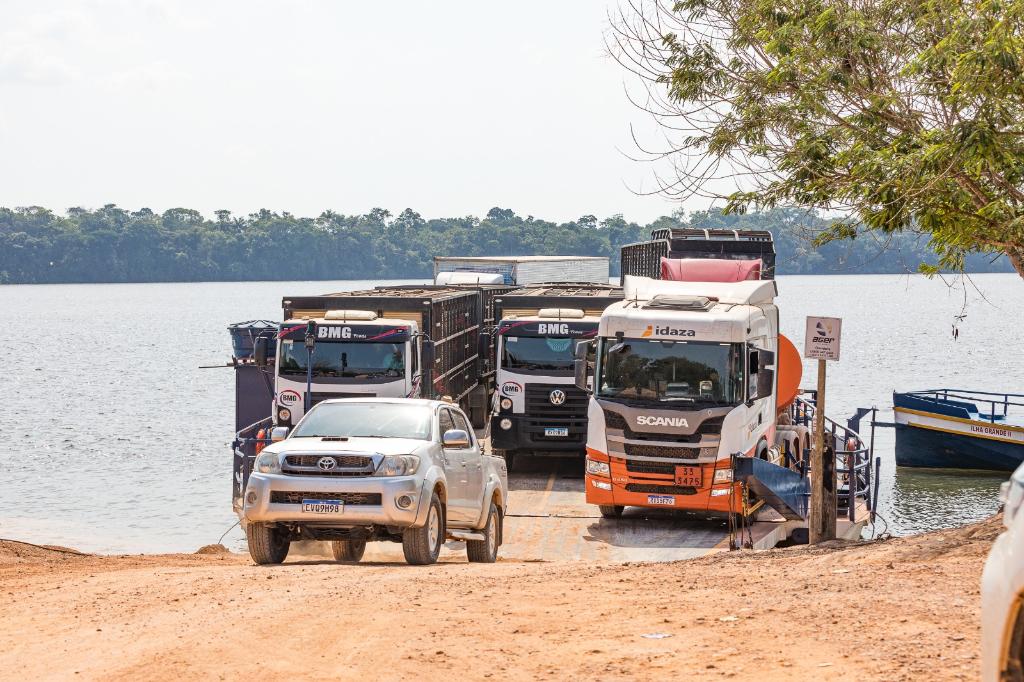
[(114, 245), (905, 115)]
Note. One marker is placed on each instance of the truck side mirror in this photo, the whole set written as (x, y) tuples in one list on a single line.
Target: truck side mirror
[(765, 358), (765, 383), (579, 365), (259, 351), (483, 345), (427, 354)]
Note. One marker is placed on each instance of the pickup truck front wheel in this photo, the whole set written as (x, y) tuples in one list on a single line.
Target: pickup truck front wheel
[(348, 551), (486, 551), (267, 544), (422, 545)]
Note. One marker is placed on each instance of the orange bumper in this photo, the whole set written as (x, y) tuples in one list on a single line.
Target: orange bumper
[(626, 488)]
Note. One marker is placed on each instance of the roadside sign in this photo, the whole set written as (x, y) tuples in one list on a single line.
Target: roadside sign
[(821, 341)]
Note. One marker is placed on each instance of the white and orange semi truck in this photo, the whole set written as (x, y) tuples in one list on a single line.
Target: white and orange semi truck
[(687, 374)]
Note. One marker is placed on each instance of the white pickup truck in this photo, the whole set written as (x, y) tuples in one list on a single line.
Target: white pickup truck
[(363, 469)]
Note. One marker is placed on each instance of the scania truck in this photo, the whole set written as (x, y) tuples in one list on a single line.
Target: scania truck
[(389, 342), (536, 409), (684, 374)]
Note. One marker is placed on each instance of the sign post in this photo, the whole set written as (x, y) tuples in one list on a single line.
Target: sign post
[(821, 342)]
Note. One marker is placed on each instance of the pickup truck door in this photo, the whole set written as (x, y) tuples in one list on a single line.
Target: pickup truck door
[(474, 469), (455, 472)]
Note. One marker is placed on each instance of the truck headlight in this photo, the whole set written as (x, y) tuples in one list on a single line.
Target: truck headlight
[(506, 404), (398, 465), (723, 475), (284, 415), (596, 468), (505, 424), (268, 463)]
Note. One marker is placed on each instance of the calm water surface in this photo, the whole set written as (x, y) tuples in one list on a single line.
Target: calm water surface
[(114, 440)]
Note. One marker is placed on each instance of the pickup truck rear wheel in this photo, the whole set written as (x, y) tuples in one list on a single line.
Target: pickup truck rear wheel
[(348, 551), (486, 551), (267, 544), (422, 545), (611, 511)]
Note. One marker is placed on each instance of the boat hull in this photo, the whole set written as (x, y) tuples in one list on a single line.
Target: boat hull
[(922, 447)]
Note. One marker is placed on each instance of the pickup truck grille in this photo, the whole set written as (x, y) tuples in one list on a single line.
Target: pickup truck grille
[(344, 465), (660, 489), (296, 497), (661, 451)]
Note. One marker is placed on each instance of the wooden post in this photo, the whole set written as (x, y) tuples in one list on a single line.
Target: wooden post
[(822, 520)]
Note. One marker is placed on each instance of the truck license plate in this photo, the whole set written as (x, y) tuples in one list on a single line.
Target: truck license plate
[(560, 431), (321, 506), (689, 476), (667, 500)]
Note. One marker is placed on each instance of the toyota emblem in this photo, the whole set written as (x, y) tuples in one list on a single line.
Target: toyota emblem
[(557, 396), (326, 463)]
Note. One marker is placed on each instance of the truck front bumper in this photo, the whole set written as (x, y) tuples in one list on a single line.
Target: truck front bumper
[(368, 501), (529, 433)]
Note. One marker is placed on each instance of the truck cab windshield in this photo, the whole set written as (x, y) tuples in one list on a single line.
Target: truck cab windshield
[(344, 359), (551, 353), (671, 371)]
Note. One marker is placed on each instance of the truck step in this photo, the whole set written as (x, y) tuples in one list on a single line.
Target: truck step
[(466, 535)]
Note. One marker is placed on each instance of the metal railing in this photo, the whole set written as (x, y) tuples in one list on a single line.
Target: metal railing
[(852, 461), (244, 448), (994, 400)]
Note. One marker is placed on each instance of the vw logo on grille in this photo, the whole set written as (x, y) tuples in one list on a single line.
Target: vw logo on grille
[(326, 463), (557, 396)]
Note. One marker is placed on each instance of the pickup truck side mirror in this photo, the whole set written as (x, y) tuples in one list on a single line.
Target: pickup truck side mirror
[(579, 365), (455, 438), (259, 351), (278, 433)]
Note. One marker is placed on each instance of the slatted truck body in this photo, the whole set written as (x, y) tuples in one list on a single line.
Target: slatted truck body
[(371, 343), (536, 407)]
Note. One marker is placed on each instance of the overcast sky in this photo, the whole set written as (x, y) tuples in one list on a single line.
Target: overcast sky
[(446, 107)]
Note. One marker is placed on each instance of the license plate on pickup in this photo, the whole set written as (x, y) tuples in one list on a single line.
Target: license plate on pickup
[(690, 476), (665, 500), (557, 431), (322, 506)]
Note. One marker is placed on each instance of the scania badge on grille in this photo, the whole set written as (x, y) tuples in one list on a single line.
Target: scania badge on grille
[(557, 396), (326, 463)]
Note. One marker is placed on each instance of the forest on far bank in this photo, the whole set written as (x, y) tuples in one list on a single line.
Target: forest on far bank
[(112, 244)]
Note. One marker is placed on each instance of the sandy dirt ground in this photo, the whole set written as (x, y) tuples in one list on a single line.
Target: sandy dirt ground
[(904, 609)]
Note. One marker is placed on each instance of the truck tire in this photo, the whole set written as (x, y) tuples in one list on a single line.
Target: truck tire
[(611, 511), (348, 551), (267, 544), (486, 551), (421, 546), (507, 455)]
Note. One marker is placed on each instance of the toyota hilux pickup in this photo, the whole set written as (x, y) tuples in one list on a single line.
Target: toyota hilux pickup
[(357, 470)]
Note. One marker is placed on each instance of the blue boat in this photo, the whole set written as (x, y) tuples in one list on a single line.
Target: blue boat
[(959, 429)]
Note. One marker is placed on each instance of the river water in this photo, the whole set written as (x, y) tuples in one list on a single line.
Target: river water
[(114, 440)]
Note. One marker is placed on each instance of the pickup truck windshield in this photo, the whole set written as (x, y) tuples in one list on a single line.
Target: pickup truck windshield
[(366, 420), (344, 359), (671, 371), (538, 353)]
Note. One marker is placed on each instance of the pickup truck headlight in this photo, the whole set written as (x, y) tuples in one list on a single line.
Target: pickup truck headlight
[(596, 468), (398, 465), (268, 463)]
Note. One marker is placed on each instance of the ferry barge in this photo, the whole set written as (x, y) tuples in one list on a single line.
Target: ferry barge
[(959, 429)]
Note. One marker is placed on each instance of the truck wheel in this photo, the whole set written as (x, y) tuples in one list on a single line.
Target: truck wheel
[(486, 551), (422, 545), (611, 511), (267, 544), (348, 551), (508, 456)]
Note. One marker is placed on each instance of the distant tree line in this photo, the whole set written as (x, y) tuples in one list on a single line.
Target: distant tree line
[(112, 244)]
